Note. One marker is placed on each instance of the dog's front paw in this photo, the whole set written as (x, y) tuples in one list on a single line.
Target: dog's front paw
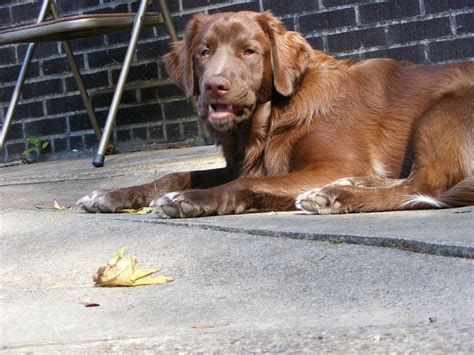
[(176, 205), (326, 200), (96, 201), (110, 201)]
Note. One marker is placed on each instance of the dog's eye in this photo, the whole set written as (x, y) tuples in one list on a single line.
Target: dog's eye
[(205, 53), (249, 51)]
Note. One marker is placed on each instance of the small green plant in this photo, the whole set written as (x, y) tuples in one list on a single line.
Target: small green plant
[(35, 145)]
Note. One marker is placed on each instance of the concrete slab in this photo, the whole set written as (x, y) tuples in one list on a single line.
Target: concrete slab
[(441, 232), (260, 282)]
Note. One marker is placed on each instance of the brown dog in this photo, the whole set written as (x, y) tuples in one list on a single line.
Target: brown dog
[(298, 126)]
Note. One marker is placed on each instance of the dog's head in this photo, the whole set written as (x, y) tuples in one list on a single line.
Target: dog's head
[(234, 61)]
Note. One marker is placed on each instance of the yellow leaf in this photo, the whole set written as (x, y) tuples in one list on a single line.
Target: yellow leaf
[(153, 281), (57, 206), (138, 274), (123, 271), (142, 210), (118, 255)]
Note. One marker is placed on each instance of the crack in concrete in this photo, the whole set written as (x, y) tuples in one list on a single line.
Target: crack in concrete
[(385, 242)]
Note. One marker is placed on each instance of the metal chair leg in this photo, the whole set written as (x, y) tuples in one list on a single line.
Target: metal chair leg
[(99, 157), (168, 21), (21, 79), (16, 93), (78, 78)]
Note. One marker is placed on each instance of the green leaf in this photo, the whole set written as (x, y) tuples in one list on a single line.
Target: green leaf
[(31, 149), (33, 140), (44, 145)]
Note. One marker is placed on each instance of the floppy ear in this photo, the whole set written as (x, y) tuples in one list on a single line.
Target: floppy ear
[(179, 62), (290, 53)]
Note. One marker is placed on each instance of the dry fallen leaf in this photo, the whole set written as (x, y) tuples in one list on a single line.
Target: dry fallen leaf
[(54, 206), (122, 271), (142, 210), (59, 207)]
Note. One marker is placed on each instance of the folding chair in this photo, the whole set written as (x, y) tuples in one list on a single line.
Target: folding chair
[(63, 29)]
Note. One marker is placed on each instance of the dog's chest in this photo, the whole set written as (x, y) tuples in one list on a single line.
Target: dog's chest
[(276, 162), (271, 144), (277, 155), (266, 155)]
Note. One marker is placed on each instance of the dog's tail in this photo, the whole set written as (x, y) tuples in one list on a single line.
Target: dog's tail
[(460, 195)]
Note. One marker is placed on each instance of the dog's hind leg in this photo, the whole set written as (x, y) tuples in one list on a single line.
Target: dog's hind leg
[(441, 175)]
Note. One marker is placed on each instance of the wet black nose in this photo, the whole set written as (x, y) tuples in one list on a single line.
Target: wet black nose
[(217, 86)]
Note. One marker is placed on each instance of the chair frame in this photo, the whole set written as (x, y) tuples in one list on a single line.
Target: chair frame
[(50, 7)]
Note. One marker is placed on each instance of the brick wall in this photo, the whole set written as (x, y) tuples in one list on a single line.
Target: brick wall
[(424, 31)]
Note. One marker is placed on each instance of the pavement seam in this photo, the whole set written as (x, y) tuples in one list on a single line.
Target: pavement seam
[(18, 183), (385, 242)]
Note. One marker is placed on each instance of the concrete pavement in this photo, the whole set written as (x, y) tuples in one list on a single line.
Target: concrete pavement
[(278, 282)]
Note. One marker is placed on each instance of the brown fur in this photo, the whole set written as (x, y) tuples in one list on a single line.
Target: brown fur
[(294, 119)]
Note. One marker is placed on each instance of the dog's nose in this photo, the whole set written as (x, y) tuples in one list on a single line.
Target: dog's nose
[(217, 86)]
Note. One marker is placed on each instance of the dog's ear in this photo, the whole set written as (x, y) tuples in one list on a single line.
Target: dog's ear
[(290, 53), (179, 62)]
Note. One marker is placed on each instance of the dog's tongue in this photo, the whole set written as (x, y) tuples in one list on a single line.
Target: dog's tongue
[(220, 111)]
